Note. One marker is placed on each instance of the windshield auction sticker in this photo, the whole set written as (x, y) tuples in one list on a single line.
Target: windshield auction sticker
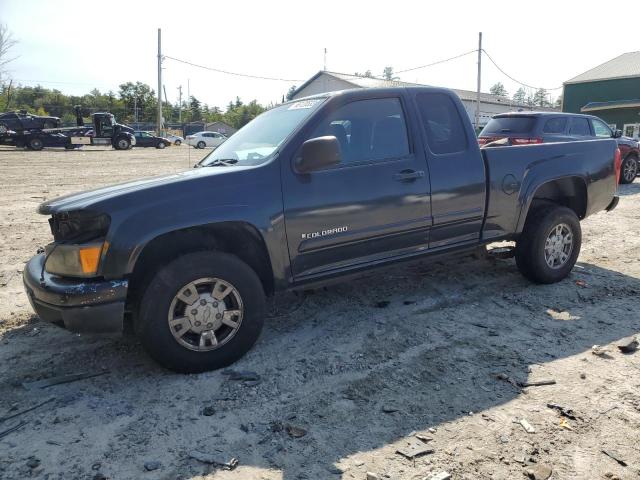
[(304, 104)]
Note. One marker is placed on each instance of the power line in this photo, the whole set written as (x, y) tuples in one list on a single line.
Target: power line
[(438, 62), (517, 81), (226, 72)]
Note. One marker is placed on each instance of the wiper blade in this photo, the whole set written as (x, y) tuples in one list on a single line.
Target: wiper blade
[(225, 162)]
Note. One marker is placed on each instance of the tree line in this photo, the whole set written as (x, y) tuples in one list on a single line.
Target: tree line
[(133, 102), (539, 98)]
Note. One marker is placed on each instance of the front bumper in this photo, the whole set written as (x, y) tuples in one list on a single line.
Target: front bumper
[(80, 305), (613, 204)]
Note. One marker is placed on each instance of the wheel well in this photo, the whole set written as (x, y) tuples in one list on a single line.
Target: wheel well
[(632, 154), (570, 192), (237, 238)]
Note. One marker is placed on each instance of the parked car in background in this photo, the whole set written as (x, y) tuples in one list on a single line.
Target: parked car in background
[(522, 128), (147, 139), (205, 139), (176, 139), (21, 121)]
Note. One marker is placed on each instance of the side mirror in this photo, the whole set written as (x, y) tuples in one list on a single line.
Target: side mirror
[(617, 133), (318, 153)]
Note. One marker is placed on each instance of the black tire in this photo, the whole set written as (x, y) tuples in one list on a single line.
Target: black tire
[(154, 310), (178, 142), (161, 145), (629, 169), (122, 143), (35, 143), (201, 144), (530, 248)]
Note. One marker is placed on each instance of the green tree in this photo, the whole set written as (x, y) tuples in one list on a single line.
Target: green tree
[(520, 96), (195, 108), (540, 98), (387, 74), (499, 90), (7, 42), (366, 74), (291, 92), (141, 96)]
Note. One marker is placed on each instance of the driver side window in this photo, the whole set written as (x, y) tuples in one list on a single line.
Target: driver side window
[(367, 130)]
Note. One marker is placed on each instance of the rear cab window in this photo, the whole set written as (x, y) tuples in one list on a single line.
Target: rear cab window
[(601, 129), (442, 123)]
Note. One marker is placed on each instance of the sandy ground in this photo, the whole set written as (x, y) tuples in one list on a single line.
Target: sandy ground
[(340, 379)]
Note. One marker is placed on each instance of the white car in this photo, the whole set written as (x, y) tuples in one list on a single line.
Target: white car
[(175, 139), (205, 139)]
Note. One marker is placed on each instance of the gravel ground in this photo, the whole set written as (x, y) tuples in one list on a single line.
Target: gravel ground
[(342, 377)]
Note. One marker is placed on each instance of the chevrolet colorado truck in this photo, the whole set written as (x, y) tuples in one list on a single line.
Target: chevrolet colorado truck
[(311, 191)]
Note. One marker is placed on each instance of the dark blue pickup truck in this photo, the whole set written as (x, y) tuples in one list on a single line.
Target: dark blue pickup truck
[(311, 191)]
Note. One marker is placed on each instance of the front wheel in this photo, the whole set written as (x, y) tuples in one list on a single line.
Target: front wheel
[(202, 311), (35, 143), (122, 143), (201, 144), (549, 244), (629, 170), (178, 142)]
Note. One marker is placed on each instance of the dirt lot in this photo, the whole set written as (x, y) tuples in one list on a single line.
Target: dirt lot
[(340, 379)]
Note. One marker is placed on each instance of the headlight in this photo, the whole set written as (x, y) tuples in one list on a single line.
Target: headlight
[(74, 260)]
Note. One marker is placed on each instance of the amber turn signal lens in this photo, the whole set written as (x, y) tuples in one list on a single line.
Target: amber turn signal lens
[(89, 259)]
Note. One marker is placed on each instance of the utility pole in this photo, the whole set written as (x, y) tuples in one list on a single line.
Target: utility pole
[(479, 81), (325, 59), (180, 104), (166, 100), (159, 125)]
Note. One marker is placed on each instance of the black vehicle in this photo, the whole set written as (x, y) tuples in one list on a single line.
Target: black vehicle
[(105, 131), (22, 120), (524, 128), (147, 139), (308, 192)]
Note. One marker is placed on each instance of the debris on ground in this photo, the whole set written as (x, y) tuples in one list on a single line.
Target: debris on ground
[(506, 378), (526, 425), (152, 465), (372, 476), (600, 351), (412, 448), (208, 411), (538, 383), (564, 424), (33, 462), (628, 345), (615, 456), (539, 472), (382, 304), (440, 476), (73, 377), (295, 432), (241, 375), (389, 408), (212, 460), (6, 432), (581, 283), (564, 411), (423, 438), (26, 410)]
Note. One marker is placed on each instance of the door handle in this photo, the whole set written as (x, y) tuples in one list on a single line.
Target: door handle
[(408, 175)]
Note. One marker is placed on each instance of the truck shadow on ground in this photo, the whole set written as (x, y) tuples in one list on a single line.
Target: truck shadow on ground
[(356, 366), (630, 188)]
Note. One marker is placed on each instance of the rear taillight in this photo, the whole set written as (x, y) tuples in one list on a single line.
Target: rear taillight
[(525, 141), (617, 164), (482, 141)]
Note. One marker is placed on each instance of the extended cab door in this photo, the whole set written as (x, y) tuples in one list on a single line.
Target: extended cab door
[(373, 205), (458, 179)]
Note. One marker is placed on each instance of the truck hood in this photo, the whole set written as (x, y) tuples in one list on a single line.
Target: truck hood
[(93, 199)]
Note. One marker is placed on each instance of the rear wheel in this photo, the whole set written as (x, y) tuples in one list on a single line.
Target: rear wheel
[(201, 144), (178, 142), (160, 145), (35, 143), (202, 311), (629, 169), (549, 244)]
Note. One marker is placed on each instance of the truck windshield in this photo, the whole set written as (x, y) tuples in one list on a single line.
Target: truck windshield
[(254, 143)]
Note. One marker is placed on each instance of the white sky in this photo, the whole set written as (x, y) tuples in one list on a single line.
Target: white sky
[(75, 46)]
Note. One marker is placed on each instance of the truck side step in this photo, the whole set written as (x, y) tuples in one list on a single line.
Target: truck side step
[(502, 252)]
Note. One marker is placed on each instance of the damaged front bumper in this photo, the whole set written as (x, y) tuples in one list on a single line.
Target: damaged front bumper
[(613, 204), (80, 305)]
